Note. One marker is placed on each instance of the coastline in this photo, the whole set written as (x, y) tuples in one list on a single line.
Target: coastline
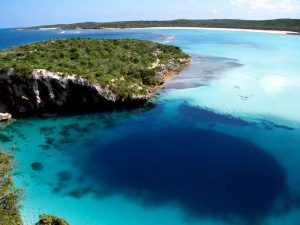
[(282, 32), (221, 29), (46, 91), (168, 75)]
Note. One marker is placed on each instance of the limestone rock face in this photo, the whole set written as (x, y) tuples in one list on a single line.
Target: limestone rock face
[(5, 117), (50, 92), (45, 92)]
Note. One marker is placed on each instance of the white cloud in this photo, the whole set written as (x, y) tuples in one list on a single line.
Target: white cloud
[(271, 6)]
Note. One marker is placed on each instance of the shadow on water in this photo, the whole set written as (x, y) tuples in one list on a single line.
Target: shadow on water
[(190, 114), (205, 115), (205, 172)]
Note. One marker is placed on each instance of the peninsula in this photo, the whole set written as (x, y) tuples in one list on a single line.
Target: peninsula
[(83, 73)]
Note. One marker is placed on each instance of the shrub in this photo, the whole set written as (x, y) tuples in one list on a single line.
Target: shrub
[(94, 59), (51, 220), (9, 194)]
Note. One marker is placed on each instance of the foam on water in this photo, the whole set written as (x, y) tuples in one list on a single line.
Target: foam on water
[(220, 145)]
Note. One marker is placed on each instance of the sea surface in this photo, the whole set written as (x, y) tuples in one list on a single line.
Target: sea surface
[(219, 145)]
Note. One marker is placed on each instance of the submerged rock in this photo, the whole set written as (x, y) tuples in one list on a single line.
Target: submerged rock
[(4, 138), (37, 166)]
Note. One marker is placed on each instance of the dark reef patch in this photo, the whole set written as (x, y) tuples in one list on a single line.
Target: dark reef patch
[(50, 141), (268, 125), (4, 138), (47, 130), (59, 187), (80, 192), (65, 133), (45, 147), (206, 172), (64, 176), (37, 166), (72, 126), (56, 190), (66, 141), (22, 136)]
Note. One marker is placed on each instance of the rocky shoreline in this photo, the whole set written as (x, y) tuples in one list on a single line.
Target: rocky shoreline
[(48, 92)]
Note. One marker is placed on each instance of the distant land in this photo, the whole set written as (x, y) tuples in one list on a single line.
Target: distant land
[(292, 25)]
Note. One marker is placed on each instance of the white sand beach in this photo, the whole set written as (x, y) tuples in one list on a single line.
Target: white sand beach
[(221, 29)]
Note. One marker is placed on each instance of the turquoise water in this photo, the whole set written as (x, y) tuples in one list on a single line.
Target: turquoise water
[(219, 145)]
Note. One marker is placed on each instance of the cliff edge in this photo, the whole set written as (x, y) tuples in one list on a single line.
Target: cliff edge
[(83, 74)]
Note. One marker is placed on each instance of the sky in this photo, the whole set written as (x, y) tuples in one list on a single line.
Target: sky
[(19, 13)]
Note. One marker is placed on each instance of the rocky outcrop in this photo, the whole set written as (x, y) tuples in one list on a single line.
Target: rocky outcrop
[(50, 92), (172, 66), (5, 117), (45, 92)]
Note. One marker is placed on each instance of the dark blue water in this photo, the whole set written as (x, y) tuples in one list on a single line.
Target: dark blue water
[(205, 172)]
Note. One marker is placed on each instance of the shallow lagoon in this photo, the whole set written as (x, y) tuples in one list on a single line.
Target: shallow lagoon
[(220, 144)]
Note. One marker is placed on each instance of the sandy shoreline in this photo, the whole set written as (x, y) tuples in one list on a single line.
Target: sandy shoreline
[(221, 29), (187, 28)]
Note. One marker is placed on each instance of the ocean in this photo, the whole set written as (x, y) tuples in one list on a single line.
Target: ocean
[(219, 145)]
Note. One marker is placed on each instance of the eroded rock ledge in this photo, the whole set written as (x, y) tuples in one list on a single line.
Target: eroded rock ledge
[(46, 92)]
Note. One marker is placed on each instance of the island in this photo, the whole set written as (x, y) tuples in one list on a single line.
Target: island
[(82, 74), (291, 25)]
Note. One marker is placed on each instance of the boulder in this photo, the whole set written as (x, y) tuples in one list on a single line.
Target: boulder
[(5, 117)]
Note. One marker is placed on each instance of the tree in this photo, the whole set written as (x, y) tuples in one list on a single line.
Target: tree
[(51, 220), (10, 197)]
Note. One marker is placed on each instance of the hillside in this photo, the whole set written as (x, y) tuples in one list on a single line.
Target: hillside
[(83, 71), (278, 24)]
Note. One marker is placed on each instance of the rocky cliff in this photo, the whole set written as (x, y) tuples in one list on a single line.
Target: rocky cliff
[(45, 92)]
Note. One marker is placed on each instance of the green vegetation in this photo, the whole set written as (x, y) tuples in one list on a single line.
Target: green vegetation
[(279, 24), (123, 66), (51, 220), (9, 194)]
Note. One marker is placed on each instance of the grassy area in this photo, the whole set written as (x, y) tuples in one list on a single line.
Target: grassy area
[(124, 66), (279, 24)]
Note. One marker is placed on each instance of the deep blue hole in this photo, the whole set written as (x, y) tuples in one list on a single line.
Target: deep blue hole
[(206, 172)]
